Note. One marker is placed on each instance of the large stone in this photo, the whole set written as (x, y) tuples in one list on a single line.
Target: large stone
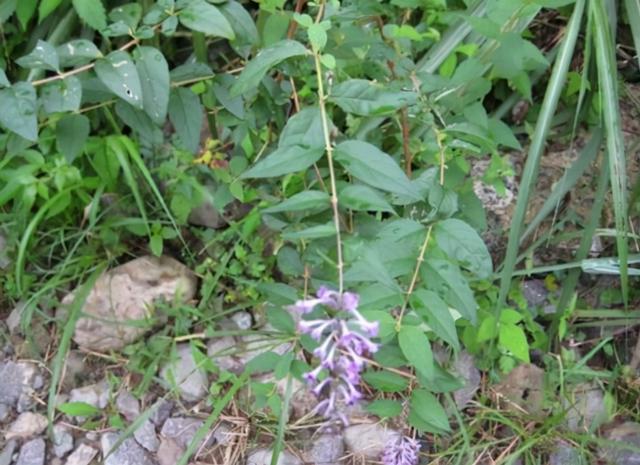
[(191, 381), (27, 425), (368, 440), (129, 452), (128, 405), (326, 450), (523, 389), (32, 453), (263, 457), (119, 308), (626, 434), (161, 410), (147, 437), (83, 455), (587, 410), (17, 380)]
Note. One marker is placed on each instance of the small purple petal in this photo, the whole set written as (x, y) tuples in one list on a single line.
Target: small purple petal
[(349, 301)]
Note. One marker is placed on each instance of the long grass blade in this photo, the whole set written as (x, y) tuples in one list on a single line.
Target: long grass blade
[(552, 95), (608, 84), (633, 13)]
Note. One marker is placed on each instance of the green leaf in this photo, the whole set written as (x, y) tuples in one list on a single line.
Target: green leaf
[(426, 414), (317, 36), (365, 98), (283, 161), (385, 408), (18, 110), (203, 17), (363, 198), (72, 132), (447, 281), (119, 74), (372, 166), (267, 58), (304, 201), (154, 78), (462, 243), (155, 244), (313, 232), (436, 314), (303, 129), (186, 115), (386, 381), (77, 52), (243, 25), (46, 8), (62, 95), (91, 12), (416, 348), (512, 338), (140, 122), (78, 409), (129, 14), (43, 56), (25, 10)]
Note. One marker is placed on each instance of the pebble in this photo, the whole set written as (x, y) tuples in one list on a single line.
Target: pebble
[(16, 383), (465, 367), (368, 439), (182, 430), (588, 410), (219, 350), (128, 405), (27, 425), (6, 456), (62, 440), (263, 457), (169, 452), (626, 433), (565, 454), (243, 320), (192, 383), (83, 455), (327, 450), (162, 410), (96, 395), (129, 452), (32, 452), (147, 437)]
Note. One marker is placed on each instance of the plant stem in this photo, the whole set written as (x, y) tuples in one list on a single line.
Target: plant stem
[(332, 176)]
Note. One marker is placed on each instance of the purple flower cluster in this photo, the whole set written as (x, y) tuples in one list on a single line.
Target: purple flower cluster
[(401, 450), (345, 338)]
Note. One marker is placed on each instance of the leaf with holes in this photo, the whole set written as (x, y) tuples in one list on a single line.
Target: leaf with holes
[(18, 110), (118, 72), (203, 17), (266, 59), (186, 115), (154, 78), (62, 95)]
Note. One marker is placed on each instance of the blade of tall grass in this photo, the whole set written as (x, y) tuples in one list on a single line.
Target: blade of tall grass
[(552, 95), (74, 311), (608, 84), (282, 423), (569, 179), (633, 13)]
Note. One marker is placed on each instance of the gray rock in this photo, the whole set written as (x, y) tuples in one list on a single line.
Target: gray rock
[(129, 452), (252, 345), (535, 292), (162, 410), (368, 439), (565, 454), (243, 320), (326, 450), (128, 405), (466, 369), (5, 411), (220, 349), (223, 434), (147, 437), (627, 433), (587, 410), (27, 425), (32, 452), (169, 452), (83, 455), (15, 317), (182, 430), (93, 394), (62, 440), (263, 457), (6, 456), (126, 294), (206, 215), (16, 382), (191, 381)]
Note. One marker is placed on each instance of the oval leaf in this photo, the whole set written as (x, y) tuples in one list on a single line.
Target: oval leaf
[(119, 74), (71, 134), (77, 52), (307, 200), (186, 115), (416, 348), (374, 167), (447, 281), (62, 95), (154, 79), (365, 98), (18, 110), (263, 62), (203, 17), (363, 198), (462, 243), (91, 12), (436, 314), (426, 414), (284, 161), (43, 56)]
